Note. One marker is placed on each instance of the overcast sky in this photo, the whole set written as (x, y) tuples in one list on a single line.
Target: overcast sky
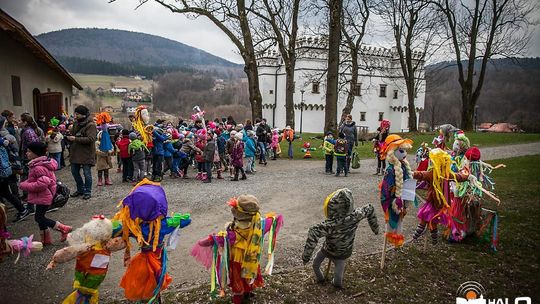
[(41, 16)]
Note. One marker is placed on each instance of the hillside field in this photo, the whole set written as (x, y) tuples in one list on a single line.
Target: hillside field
[(104, 81)]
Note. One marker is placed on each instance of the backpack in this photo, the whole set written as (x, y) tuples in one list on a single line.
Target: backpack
[(340, 146), (60, 197), (355, 161), (5, 164)]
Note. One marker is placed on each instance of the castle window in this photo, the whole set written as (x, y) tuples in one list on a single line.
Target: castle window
[(382, 90), (271, 92), (362, 116), (358, 90), (16, 90), (395, 94), (381, 116), (315, 88)]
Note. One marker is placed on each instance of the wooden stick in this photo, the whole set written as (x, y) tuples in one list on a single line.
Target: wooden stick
[(327, 269), (384, 249), (425, 240)]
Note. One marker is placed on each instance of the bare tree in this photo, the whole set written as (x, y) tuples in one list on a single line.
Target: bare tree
[(354, 22), (231, 17), (414, 25), (480, 30), (334, 41), (281, 17)]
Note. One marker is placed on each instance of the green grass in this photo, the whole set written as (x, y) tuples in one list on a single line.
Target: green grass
[(415, 275), (365, 150)]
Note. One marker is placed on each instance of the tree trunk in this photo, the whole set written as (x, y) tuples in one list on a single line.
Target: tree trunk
[(467, 108), (255, 97), (412, 109), (289, 96), (334, 39), (352, 85)]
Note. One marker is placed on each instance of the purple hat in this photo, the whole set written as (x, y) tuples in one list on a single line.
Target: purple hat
[(146, 202)]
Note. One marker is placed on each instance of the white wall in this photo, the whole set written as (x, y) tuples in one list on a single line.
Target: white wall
[(17, 60)]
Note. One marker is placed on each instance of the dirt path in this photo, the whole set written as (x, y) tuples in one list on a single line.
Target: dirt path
[(295, 189)]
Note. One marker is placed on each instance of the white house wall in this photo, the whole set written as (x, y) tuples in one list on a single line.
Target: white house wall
[(18, 61)]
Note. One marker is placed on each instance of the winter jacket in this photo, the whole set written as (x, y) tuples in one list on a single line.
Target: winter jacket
[(83, 149), (339, 228), (12, 149), (351, 135), (229, 146), (250, 148), (41, 182), (188, 147), (220, 143), (340, 142), (288, 135), (328, 146), (103, 159), (54, 145), (168, 149), (157, 139), (123, 147), (237, 155), (28, 135), (264, 133), (209, 151), (200, 144), (275, 140), (137, 150)]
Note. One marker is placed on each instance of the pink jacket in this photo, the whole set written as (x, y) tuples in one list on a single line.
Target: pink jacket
[(275, 140), (41, 182)]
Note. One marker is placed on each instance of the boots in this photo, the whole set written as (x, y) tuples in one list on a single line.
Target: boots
[(199, 175), (219, 175), (63, 229), (46, 237), (100, 182), (235, 179), (108, 181), (244, 177), (204, 176)]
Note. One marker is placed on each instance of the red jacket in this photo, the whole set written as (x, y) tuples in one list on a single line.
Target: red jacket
[(123, 147), (41, 182)]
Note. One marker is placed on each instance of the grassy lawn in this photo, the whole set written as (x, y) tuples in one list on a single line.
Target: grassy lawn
[(104, 81), (479, 139), (413, 275)]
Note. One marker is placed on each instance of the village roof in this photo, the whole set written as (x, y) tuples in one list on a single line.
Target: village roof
[(19, 33)]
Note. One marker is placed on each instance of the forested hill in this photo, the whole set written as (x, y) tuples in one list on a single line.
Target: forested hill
[(118, 52), (511, 93)]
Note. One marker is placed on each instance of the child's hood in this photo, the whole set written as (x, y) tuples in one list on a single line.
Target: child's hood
[(44, 161), (338, 204)]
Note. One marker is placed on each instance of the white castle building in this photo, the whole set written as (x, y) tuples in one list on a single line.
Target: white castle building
[(380, 93)]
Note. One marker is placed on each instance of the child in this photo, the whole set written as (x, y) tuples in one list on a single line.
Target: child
[(250, 152), (339, 231), (199, 158), (218, 160), (143, 215), (328, 146), (104, 150), (397, 172), (229, 146), (91, 245), (221, 142), (208, 156), (340, 150), (188, 147), (158, 151), (242, 243), (168, 151), (275, 144), (437, 206), (123, 148), (54, 145), (237, 157), (137, 149), (177, 155), (378, 142), (41, 187)]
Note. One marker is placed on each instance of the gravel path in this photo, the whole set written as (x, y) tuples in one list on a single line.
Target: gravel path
[(295, 189)]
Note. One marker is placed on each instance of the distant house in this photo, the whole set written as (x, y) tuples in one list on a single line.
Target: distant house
[(219, 85), (119, 91), (107, 109), (31, 80), (100, 91)]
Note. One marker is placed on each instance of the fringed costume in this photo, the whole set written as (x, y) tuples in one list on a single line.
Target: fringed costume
[(8, 246), (143, 215), (234, 255)]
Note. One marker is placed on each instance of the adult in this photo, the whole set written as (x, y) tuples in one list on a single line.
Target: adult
[(288, 135), (11, 123), (348, 128), (82, 153), (230, 121), (248, 126), (264, 136), (42, 123)]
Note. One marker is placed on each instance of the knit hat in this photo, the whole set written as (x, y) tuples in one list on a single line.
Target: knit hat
[(244, 207), (251, 133), (329, 133), (239, 135), (473, 154), (132, 136), (38, 148), (82, 110)]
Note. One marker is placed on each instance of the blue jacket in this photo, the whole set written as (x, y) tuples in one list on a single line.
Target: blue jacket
[(168, 149), (157, 139), (250, 147), (221, 141)]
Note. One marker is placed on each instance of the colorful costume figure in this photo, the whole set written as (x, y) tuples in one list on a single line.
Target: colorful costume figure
[(91, 245), (444, 136), (339, 231), (436, 208), (143, 215), (234, 254), (391, 187), (468, 216), (140, 124), (378, 143), (459, 147), (25, 245), (422, 157)]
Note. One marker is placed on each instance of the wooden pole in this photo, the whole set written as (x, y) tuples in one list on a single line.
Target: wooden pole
[(383, 250), (425, 240), (327, 272)]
